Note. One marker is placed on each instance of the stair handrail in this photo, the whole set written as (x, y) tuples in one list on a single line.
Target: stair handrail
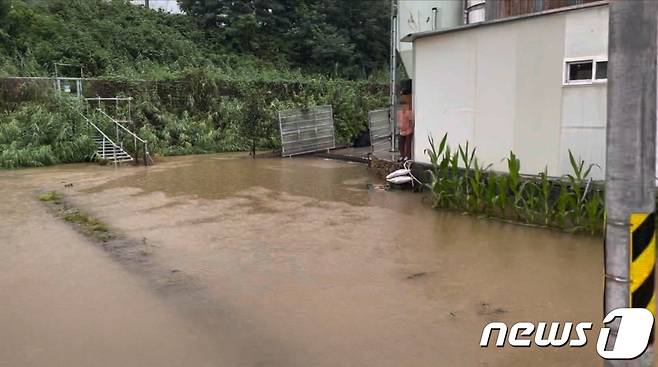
[(121, 126), (105, 137), (97, 129), (147, 157)]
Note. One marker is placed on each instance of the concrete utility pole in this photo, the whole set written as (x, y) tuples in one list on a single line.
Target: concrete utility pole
[(631, 157), (393, 70), (147, 4)]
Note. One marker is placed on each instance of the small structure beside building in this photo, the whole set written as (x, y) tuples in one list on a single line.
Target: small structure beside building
[(533, 83), (170, 6)]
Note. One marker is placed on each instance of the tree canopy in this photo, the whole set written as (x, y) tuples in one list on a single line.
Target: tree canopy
[(339, 38)]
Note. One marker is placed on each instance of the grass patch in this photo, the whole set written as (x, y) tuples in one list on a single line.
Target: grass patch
[(85, 223), (84, 219), (50, 196)]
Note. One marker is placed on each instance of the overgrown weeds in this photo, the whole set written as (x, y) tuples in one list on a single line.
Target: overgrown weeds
[(200, 113), (41, 134)]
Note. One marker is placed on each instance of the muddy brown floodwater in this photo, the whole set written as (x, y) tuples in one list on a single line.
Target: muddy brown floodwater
[(274, 262)]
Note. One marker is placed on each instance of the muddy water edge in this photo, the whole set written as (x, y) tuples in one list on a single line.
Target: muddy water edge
[(219, 260)]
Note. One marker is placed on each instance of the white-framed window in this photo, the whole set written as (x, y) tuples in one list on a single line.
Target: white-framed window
[(586, 70)]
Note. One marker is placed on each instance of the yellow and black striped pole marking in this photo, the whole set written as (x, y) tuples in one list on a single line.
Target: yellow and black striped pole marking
[(643, 261)]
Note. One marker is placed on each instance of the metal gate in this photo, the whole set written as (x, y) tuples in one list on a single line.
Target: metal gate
[(380, 132), (306, 130)]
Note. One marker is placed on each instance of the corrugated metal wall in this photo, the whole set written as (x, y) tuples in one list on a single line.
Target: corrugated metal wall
[(496, 9)]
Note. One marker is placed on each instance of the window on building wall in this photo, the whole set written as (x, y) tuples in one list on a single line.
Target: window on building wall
[(601, 70), (579, 70), (585, 71)]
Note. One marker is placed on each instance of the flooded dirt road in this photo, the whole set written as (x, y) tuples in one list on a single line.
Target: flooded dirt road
[(271, 262)]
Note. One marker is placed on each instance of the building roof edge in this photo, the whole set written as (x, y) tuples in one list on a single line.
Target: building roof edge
[(412, 37)]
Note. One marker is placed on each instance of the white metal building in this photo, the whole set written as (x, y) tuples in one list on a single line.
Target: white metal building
[(534, 84), (416, 16)]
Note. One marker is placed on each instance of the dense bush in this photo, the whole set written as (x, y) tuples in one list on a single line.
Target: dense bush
[(43, 134), (458, 181), (337, 37), (196, 89), (111, 37), (105, 37), (201, 111)]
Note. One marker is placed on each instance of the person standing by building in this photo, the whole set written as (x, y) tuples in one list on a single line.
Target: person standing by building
[(405, 124)]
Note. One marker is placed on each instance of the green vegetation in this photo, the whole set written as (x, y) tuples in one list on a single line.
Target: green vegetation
[(40, 134), (83, 219), (214, 115), (210, 119), (85, 223), (53, 196), (459, 182), (330, 37), (337, 37), (200, 85)]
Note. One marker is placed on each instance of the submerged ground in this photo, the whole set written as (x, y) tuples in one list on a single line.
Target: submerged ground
[(226, 261)]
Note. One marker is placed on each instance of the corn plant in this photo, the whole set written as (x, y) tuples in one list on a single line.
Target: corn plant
[(440, 159), (476, 199), (466, 157), (544, 197), (577, 181), (515, 184), (594, 210), (564, 206), (530, 203), (491, 194), (435, 155), (502, 199), (459, 181)]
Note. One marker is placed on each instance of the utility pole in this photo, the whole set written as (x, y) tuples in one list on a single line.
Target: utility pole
[(147, 4), (392, 113), (631, 160)]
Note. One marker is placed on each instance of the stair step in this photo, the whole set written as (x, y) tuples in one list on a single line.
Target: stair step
[(112, 151), (105, 148), (112, 155), (119, 159)]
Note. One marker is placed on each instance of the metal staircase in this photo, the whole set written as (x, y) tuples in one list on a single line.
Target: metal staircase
[(106, 149), (113, 151), (120, 129)]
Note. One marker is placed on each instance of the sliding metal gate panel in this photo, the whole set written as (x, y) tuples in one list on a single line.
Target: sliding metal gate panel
[(306, 130), (380, 132)]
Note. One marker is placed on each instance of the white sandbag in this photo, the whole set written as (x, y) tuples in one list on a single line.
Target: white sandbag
[(399, 180), (400, 172)]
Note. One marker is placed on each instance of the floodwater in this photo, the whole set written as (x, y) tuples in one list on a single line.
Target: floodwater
[(227, 261)]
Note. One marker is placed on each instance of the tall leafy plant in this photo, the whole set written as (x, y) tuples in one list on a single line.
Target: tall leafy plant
[(459, 181)]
